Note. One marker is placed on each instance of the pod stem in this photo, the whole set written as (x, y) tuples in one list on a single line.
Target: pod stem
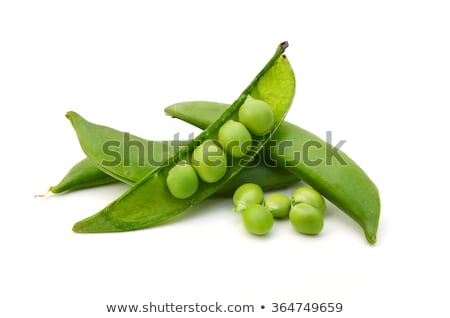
[(44, 195)]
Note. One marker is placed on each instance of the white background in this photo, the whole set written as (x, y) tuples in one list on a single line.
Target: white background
[(376, 73)]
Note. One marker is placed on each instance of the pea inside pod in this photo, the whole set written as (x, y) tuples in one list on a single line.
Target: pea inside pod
[(209, 161), (182, 180), (235, 138), (257, 116)]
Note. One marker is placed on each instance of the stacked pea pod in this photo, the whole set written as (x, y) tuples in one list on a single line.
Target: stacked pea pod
[(157, 192)]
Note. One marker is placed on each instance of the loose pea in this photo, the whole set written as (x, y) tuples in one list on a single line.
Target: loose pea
[(278, 204), (182, 180), (306, 219), (235, 138), (310, 196), (257, 116), (257, 219), (246, 195), (209, 161)]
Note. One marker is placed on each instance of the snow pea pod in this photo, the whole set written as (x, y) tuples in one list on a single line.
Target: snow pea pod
[(97, 169), (85, 175), (82, 175), (149, 202), (344, 183)]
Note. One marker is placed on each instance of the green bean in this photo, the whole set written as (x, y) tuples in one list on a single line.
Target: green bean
[(346, 185), (149, 202)]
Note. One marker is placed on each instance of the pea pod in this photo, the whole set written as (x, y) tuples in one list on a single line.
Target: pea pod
[(82, 175), (149, 202), (91, 172), (345, 185)]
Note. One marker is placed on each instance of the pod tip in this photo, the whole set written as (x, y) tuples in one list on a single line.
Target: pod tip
[(97, 223), (371, 238)]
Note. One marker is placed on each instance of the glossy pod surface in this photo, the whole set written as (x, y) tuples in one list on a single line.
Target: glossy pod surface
[(345, 185), (149, 202)]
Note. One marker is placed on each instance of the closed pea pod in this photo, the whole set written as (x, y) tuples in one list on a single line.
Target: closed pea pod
[(94, 171), (82, 175)]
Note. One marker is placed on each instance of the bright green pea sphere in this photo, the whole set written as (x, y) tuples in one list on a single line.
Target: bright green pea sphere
[(257, 116), (209, 161), (182, 180), (257, 219), (310, 196), (306, 219), (235, 138), (246, 195), (278, 204)]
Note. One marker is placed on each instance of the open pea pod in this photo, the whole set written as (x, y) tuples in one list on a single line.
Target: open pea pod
[(149, 202)]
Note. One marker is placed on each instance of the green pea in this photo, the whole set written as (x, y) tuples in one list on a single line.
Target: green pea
[(235, 138), (182, 180), (278, 204), (306, 219), (257, 219), (310, 196), (257, 116), (246, 195), (209, 161)]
